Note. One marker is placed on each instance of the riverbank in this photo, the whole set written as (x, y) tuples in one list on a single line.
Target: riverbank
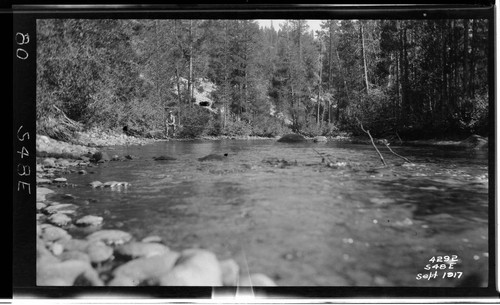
[(76, 249)]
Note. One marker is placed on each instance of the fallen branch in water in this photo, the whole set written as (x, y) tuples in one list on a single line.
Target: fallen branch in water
[(373, 143), (322, 155), (404, 158)]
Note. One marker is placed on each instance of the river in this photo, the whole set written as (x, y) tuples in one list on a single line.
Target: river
[(302, 222)]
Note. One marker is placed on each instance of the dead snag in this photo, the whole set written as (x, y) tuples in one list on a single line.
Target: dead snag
[(404, 158), (373, 143)]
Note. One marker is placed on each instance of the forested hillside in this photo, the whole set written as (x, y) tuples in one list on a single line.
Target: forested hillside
[(413, 78)]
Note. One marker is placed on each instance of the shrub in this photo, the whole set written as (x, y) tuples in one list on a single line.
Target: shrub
[(194, 121), (236, 128), (312, 130), (268, 127)]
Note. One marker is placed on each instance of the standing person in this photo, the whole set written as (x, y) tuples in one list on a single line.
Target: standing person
[(171, 122)]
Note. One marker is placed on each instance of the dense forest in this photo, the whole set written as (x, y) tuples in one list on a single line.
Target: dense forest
[(410, 78)]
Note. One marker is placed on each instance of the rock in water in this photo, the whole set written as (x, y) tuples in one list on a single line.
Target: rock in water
[(230, 272), (89, 220), (59, 219), (51, 233), (475, 141), (141, 249), (195, 267), (42, 192), (95, 184), (110, 237), (164, 158), (100, 156), (292, 138), (98, 252), (140, 270), (66, 273), (213, 157)]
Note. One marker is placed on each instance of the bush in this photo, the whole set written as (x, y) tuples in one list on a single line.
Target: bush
[(269, 127), (194, 121), (312, 130), (235, 128)]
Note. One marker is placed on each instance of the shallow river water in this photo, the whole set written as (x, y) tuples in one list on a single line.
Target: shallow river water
[(304, 223)]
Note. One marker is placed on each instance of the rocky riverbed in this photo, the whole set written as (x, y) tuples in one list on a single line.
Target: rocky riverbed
[(75, 249)]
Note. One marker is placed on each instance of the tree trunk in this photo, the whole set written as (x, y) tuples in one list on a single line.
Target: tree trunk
[(363, 55), (473, 59), (319, 84), (465, 62), (157, 76), (190, 77), (330, 69)]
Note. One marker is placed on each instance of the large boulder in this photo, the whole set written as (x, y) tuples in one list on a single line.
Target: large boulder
[(110, 237), (100, 156), (292, 138), (42, 192), (213, 157), (89, 220), (475, 141), (141, 270), (66, 273), (141, 249), (195, 267)]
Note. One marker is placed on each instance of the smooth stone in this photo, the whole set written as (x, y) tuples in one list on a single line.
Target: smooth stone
[(63, 162), (139, 270), (75, 244), (74, 255), (42, 192), (51, 233), (98, 252), (141, 249), (111, 184), (100, 156), (116, 184), (65, 273), (110, 237), (56, 248), (320, 139), (59, 219), (59, 208), (49, 162), (230, 272), (213, 157), (40, 206), (195, 267), (152, 239), (115, 158), (82, 172), (164, 158), (292, 138), (89, 220), (43, 255), (43, 181), (257, 279), (60, 180), (95, 184)]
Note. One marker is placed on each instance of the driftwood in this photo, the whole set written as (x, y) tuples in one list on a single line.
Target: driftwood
[(373, 143), (57, 125), (321, 155), (404, 158)]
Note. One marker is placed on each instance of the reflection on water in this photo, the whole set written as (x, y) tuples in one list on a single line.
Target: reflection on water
[(304, 224)]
